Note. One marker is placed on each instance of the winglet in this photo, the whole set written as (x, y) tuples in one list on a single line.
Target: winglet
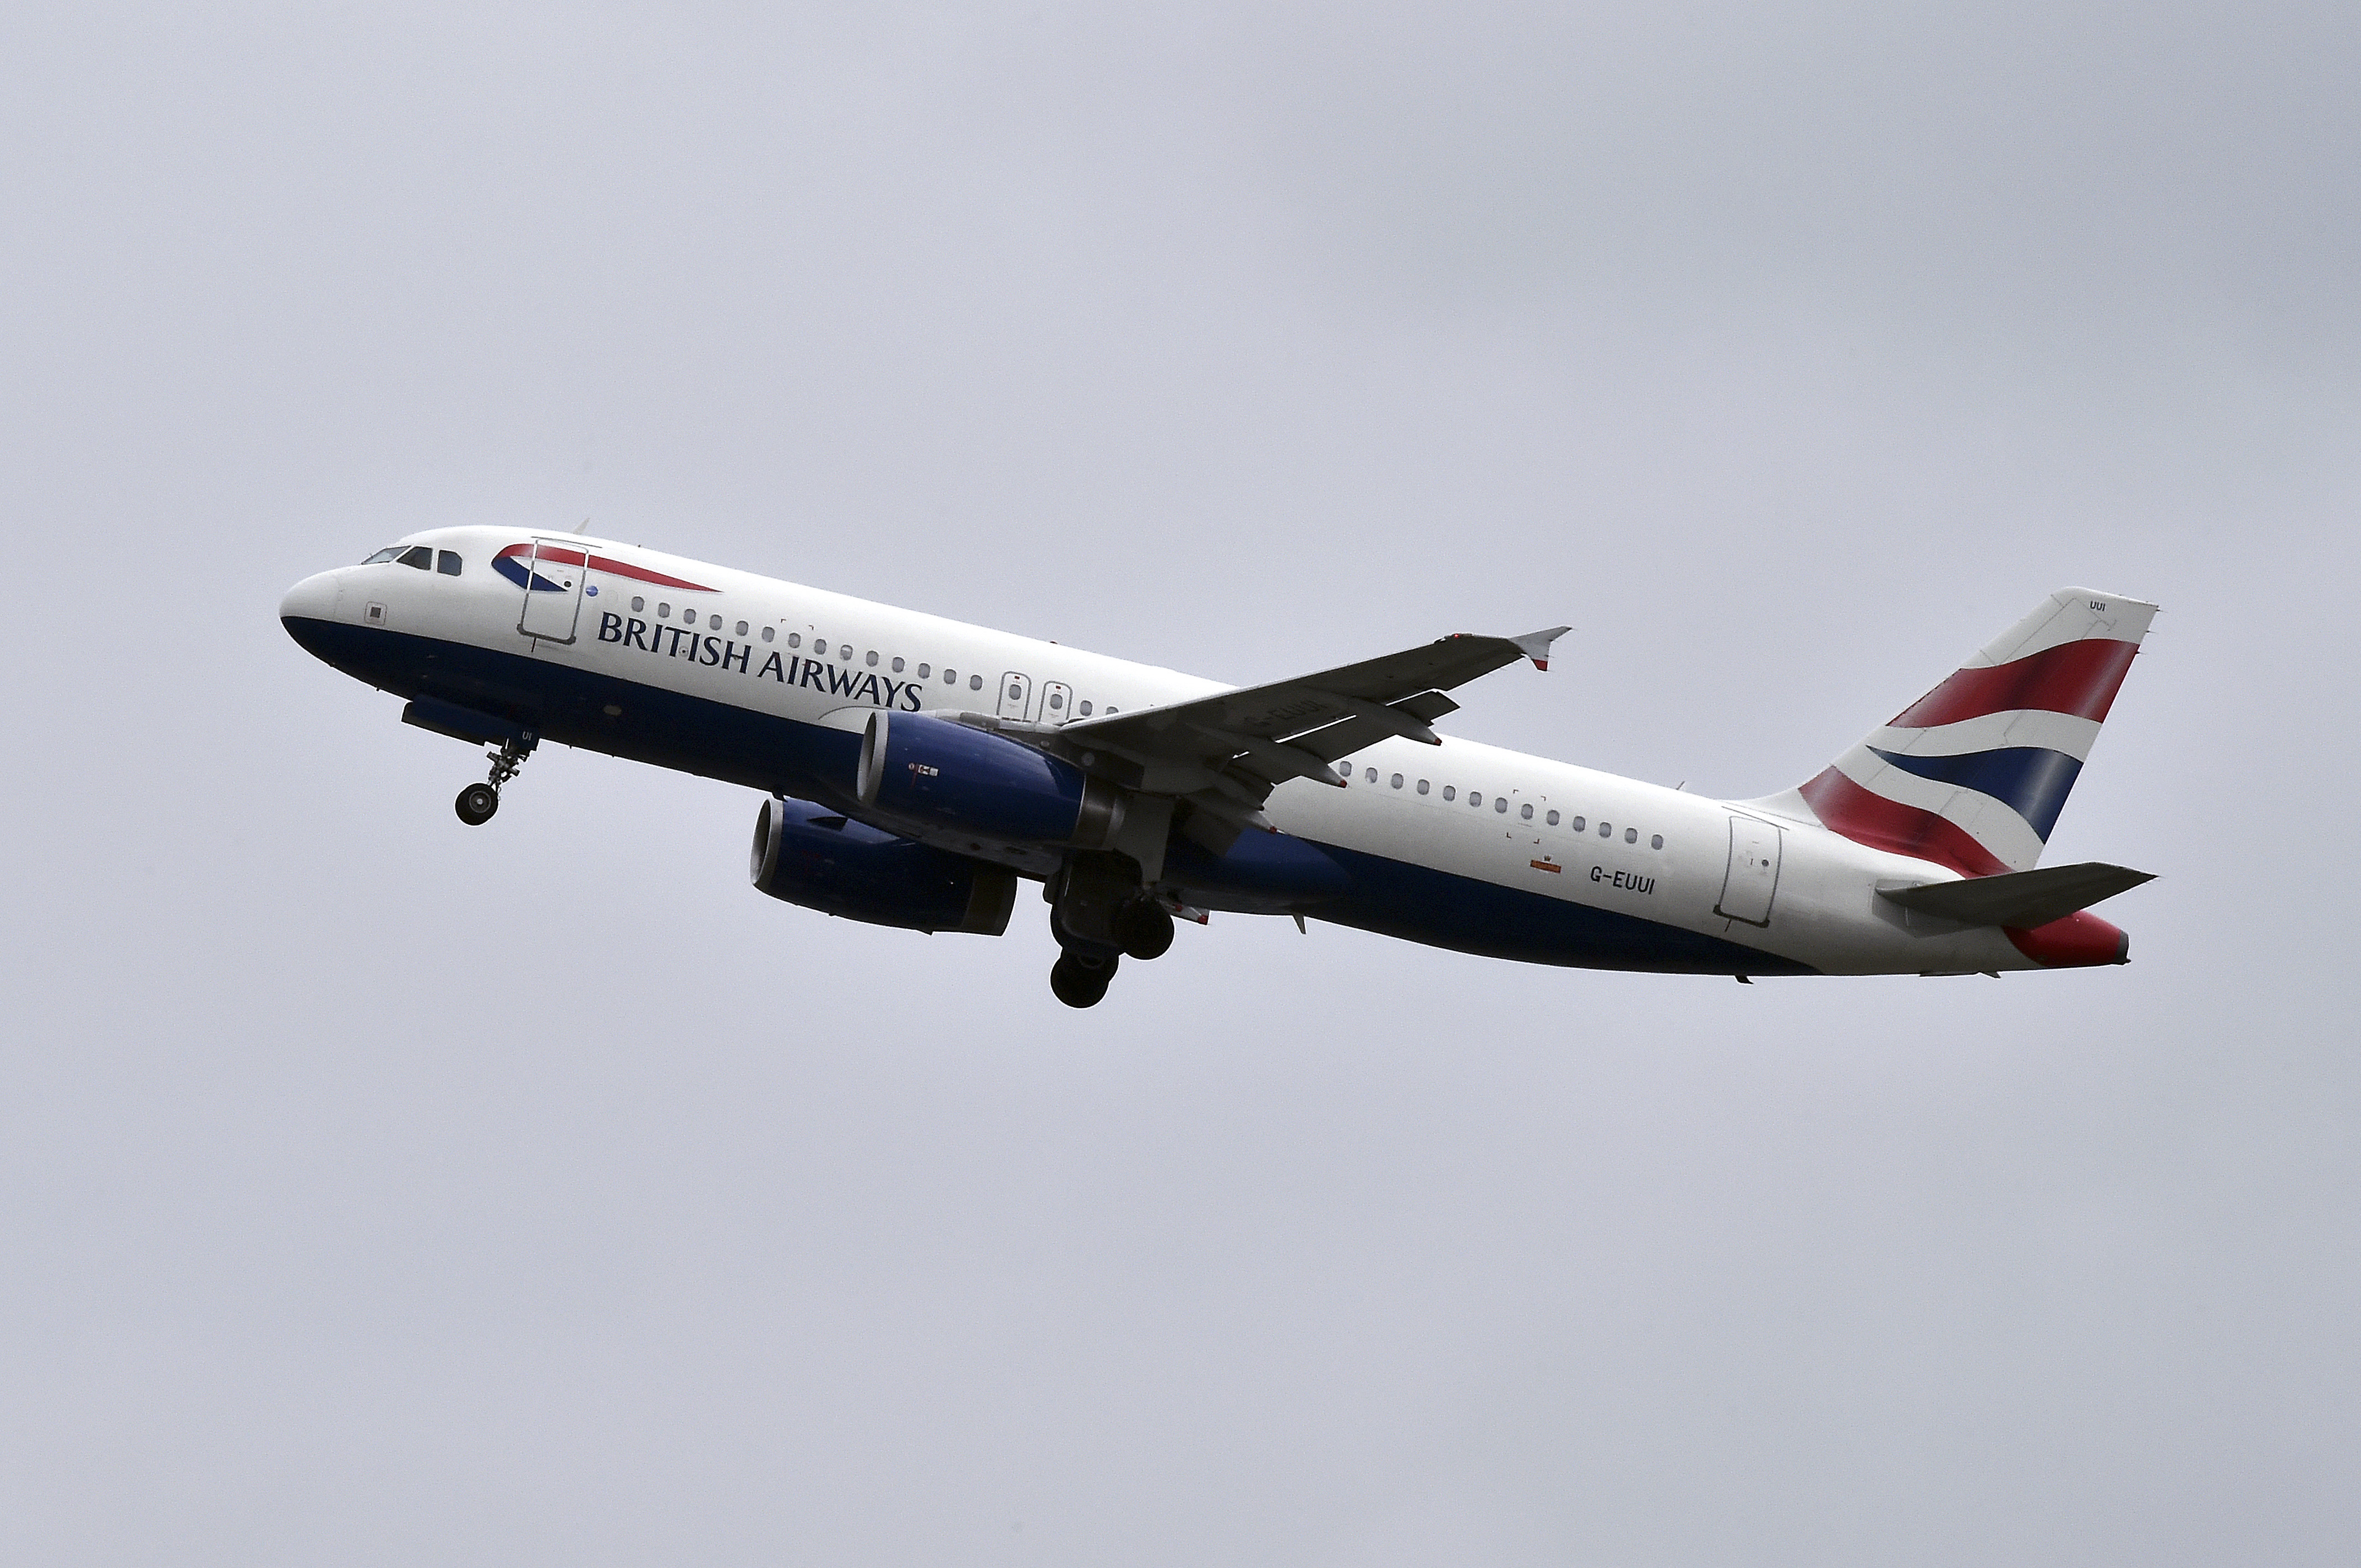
[(1535, 645)]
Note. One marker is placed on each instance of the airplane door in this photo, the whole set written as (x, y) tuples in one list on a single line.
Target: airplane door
[(1016, 694), (1753, 875), (1057, 702), (554, 576)]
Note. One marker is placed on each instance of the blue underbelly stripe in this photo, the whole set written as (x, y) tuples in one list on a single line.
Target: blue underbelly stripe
[(1443, 909)]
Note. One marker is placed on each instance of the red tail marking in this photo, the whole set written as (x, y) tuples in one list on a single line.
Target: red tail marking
[(2080, 679), (1843, 807), (2079, 941)]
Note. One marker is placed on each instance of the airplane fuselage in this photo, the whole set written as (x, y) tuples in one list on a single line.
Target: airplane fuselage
[(771, 684)]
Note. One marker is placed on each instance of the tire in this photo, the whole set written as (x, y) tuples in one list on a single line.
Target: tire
[(476, 804), (1080, 982), (1146, 931)]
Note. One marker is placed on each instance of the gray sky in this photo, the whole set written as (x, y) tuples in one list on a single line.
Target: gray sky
[(377, 1191)]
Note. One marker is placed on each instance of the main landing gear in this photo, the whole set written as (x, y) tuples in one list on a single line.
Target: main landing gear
[(1079, 979), (1100, 916), (478, 801)]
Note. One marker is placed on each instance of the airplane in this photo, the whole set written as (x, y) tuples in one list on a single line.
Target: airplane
[(915, 769)]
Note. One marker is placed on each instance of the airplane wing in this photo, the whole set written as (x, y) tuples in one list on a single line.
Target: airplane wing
[(1229, 751)]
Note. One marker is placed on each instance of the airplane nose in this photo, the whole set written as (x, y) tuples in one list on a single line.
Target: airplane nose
[(313, 599)]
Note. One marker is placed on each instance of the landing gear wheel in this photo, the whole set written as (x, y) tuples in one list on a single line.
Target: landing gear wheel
[(476, 804), (1146, 931), (1080, 981)]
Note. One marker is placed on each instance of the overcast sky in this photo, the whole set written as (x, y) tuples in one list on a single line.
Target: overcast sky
[(378, 1190)]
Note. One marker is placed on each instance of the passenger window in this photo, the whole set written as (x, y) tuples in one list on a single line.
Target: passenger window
[(897, 664), (447, 562), (1578, 824), (663, 611), (1553, 818), (390, 553), (975, 683), (1474, 798), (1112, 708), (924, 671), (872, 658), (638, 603), (819, 646), (1500, 805), (1344, 770), (420, 556), (742, 628), (1372, 775), (1655, 841), (1526, 812), (1422, 786), (1085, 710), (714, 621), (1057, 700), (795, 639), (1450, 792), (1397, 781), (769, 632), (1630, 835), (1607, 829)]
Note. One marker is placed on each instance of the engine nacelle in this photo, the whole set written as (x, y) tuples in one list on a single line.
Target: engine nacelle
[(947, 774), (805, 854)]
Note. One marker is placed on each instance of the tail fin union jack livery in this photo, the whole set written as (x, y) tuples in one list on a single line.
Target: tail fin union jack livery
[(1972, 775), (912, 770)]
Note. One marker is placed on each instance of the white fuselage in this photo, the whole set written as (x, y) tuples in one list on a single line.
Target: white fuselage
[(1548, 829)]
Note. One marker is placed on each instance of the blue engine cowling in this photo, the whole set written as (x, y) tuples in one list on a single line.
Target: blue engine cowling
[(805, 854), (941, 772)]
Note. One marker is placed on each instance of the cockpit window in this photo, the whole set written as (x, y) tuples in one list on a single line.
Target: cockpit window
[(420, 556), (387, 553), (447, 562)]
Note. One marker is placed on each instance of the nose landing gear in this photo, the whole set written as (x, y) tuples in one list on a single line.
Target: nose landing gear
[(478, 801), (476, 804)]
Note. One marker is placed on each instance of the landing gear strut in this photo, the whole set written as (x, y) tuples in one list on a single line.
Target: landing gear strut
[(1101, 914), (478, 801)]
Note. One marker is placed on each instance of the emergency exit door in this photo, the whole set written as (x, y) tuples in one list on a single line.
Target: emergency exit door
[(1753, 876)]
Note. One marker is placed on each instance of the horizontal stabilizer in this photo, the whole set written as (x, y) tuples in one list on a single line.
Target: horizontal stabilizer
[(2021, 900)]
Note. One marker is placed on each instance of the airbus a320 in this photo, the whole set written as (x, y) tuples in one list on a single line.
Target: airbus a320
[(914, 770)]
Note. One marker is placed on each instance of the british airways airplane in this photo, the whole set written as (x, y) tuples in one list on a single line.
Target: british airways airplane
[(915, 769)]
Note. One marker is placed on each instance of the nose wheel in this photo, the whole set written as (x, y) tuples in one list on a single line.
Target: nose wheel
[(478, 801)]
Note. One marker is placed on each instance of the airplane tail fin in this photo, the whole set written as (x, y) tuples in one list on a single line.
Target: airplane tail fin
[(1974, 774)]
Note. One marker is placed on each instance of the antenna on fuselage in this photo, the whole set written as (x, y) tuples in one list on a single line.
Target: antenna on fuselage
[(583, 524)]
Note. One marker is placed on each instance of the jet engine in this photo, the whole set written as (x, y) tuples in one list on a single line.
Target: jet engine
[(805, 854), (945, 774)]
